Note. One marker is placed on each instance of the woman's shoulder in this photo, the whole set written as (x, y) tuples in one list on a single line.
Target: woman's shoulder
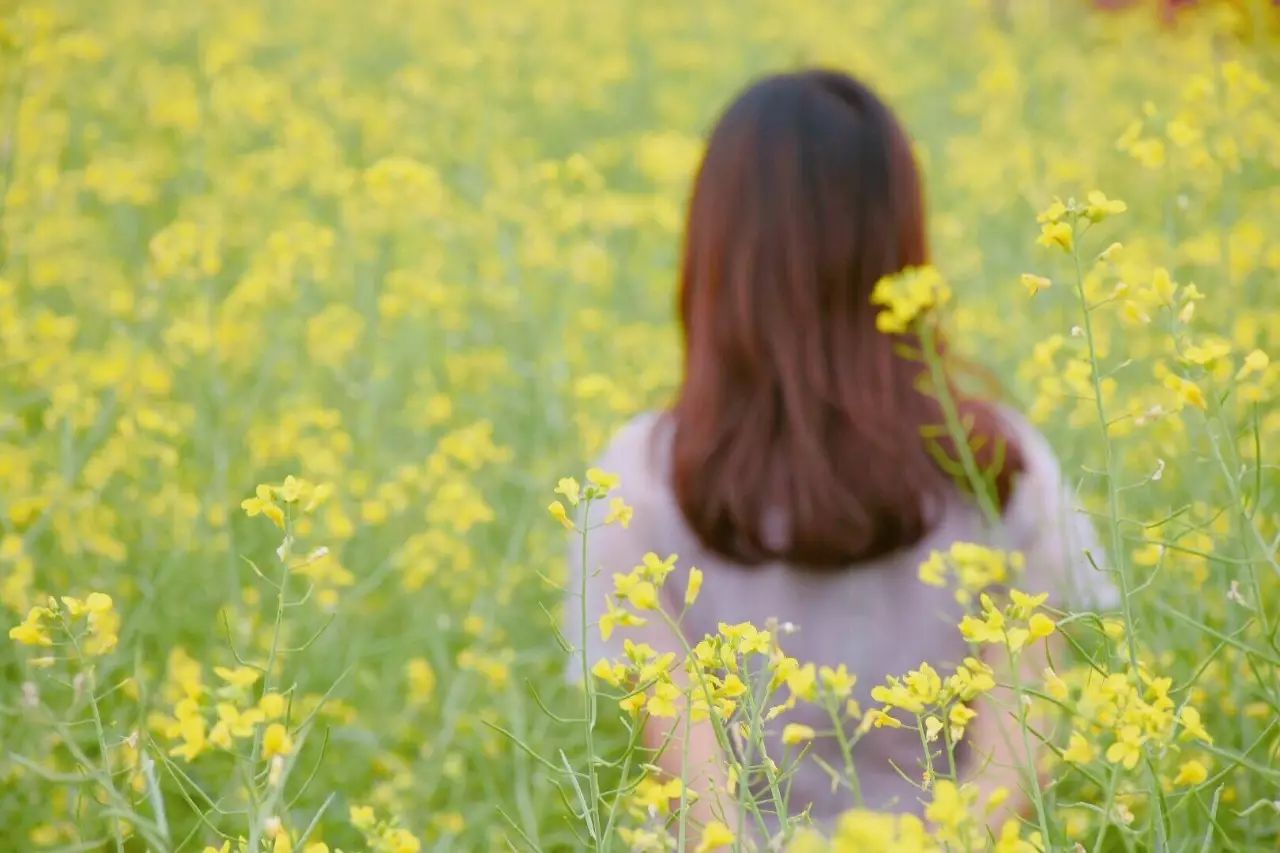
[(640, 454), (1040, 496), (1039, 461)]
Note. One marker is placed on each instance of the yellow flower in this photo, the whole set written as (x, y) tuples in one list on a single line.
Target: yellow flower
[(632, 588), (1188, 392), (619, 512), (1056, 234), (731, 687), (663, 701), (1100, 207), (933, 571), (633, 703), (1163, 286), (104, 623), (1110, 252), (694, 586), (276, 740), (558, 512), (801, 680), (656, 568), (715, 836), (614, 617), (241, 676), (1191, 725), (1079, 750), (1053, 213), (1054, 685), (796, 733), (31, 631), (609, 672), (1034, 283), (319, 494), (291, 489), (399, 840), (193, 733), (1040, 626), (1010, 842), (272, 705), (932, 728), (362, 817), (1127, 748), (75, 607), (603, 479), (987, 630), (950, 806), (906, 295), (569, 487), (881, 719), (837, 680), (1023, 603), (1255, 362), (1191, 773), (262, 503), (238, 723), (958, 718)]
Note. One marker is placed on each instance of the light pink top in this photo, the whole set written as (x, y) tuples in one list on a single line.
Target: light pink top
[(876, 617)]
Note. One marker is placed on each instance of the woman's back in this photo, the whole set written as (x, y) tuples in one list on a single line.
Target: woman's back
[(809, 461), (877, 617)]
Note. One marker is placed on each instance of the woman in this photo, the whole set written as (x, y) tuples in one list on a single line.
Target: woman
[(792, 469)]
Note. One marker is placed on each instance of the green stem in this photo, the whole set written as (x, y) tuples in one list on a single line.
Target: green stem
[(592, 815), (846, 749), (91, 690), (1113, 495), (955, 426), (255, 822), (1037, 796)]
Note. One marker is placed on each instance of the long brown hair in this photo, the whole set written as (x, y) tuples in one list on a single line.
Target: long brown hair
[(799, 429)]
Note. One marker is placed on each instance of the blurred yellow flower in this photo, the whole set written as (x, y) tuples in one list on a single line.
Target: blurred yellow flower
[(558, 512), (715, 836), (797, 733), (276, 740), (1034, 283), (1191, 773)]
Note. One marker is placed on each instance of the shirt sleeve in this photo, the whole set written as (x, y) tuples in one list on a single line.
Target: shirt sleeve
[(613, 549), (1063, 554)]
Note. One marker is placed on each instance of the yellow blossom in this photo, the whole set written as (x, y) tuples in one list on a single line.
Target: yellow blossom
[(1056, 234), (715, 836), (603, 479), (694, 586), (619, 513), (1079, 750), (569, 488), (1191, 773), (558, 512), (796, 733), (1034, 283), (1100, 207), (240, 676), (1192, 728), (276, 740)]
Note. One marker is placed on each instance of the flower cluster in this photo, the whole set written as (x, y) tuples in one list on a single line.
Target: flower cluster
[(905, 296), (971, 568), (91, 625)]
